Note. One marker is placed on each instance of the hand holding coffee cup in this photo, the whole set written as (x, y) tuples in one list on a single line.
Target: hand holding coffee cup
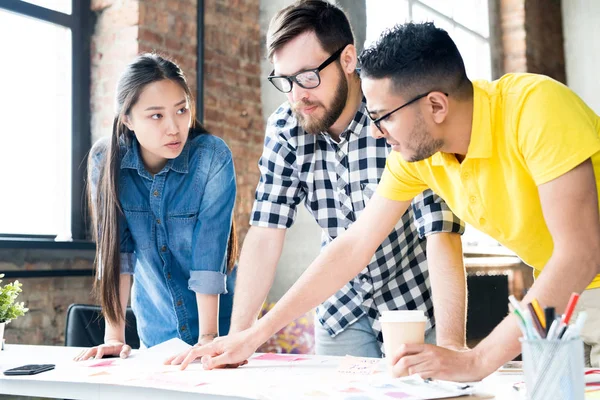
[(401, 327)]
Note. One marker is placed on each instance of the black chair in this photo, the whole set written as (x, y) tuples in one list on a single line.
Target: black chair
[(85, 327)]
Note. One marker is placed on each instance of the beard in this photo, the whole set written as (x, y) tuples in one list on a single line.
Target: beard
[(422, 144), (314, 125)]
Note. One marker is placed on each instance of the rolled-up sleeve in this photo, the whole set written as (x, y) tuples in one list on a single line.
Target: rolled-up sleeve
[(126, 246), (278, 191), (211, 233), (432, 215)]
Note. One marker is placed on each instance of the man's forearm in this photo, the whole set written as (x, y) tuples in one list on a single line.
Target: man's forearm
[(448, 286), (343, 258), (563, 275), (256, 271)]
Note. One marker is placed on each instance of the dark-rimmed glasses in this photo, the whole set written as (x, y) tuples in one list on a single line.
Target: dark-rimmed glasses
[(307, 79), (377, 121)]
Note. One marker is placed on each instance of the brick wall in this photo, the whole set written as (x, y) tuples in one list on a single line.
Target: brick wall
[(232, 103), (532, 37), (512, 22), (113, 45), (169, 27), (545, 43), (46, 298)]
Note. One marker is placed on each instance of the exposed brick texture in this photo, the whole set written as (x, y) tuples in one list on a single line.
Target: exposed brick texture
[(113, 45), (232, 102), (46, 298), (545, 43), (532, 37), (169, 27)]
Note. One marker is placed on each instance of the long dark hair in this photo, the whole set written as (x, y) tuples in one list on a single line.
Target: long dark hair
[(105, 206)]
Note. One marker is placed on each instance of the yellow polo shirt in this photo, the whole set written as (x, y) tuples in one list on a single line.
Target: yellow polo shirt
[(527, 130)]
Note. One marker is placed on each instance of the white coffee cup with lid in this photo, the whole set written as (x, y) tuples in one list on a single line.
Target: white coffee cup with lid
[(401, 327)]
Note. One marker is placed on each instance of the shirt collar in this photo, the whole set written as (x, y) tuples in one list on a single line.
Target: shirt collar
[(360, 120), (133, 160), (358, 123), (480, 145)]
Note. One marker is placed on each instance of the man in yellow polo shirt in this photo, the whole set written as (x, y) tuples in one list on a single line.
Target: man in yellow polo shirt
[(516, 158)]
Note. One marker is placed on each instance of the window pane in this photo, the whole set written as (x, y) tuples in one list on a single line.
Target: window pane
[(422, 14), (474, 15), (384, 14), (472, 48), (63, 6), (442, 6), (35, 156)]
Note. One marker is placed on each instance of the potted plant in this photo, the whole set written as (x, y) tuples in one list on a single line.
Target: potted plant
[(9, 309)]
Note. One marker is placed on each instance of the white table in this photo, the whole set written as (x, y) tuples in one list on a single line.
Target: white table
[(138, 377)]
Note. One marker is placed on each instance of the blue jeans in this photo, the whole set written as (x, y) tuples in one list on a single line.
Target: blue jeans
[(357, 340)]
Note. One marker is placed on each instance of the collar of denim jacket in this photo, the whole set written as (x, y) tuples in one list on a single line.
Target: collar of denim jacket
[(133, 160)]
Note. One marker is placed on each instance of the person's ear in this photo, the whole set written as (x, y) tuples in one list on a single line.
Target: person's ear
[(348, 59), (438, 106), (127, 122)]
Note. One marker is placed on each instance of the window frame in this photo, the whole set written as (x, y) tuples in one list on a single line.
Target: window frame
[(80, 24)]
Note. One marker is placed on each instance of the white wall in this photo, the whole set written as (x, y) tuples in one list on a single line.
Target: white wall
[(581, 28)]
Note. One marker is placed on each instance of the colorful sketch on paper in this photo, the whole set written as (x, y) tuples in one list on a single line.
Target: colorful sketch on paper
[(317, 393), (397, 395), (278, 357), (351, 390), (384, 386), (358, 365), (103, 363), (161, 380), (592, 395), (101, 373)]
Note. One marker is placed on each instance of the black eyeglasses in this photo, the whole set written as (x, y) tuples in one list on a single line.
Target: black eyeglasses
[(377, 121), (307, 79)]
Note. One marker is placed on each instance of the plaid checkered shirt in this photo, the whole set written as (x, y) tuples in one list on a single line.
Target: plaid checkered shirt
[(336, 180)]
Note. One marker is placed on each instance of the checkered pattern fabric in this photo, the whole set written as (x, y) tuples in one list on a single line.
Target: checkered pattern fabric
[(336, 180)]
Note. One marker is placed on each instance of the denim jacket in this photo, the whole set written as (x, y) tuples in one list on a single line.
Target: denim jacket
[(174, 233)]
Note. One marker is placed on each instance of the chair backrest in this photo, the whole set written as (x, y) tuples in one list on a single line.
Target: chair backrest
[(85, 327)]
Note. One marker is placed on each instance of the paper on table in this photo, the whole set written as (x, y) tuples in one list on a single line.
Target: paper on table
[(373, 387), (512, 367), (358, 365), (161, 351), (278, 357)]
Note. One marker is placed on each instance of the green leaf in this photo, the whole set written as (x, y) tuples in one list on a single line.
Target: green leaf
[(9, 307)]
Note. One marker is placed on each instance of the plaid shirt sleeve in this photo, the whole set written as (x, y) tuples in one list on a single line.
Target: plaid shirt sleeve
[(432, 215), (279, 190)]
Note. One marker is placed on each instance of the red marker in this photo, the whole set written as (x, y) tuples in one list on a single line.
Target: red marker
[(570, 308)]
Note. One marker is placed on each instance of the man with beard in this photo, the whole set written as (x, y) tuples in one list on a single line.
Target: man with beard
[(317, 150)]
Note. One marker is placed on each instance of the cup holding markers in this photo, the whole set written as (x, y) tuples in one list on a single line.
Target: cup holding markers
[(554, 369), (401, 327), (553, 356)]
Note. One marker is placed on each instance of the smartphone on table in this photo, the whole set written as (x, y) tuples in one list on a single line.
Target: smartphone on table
[(29, 369)]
